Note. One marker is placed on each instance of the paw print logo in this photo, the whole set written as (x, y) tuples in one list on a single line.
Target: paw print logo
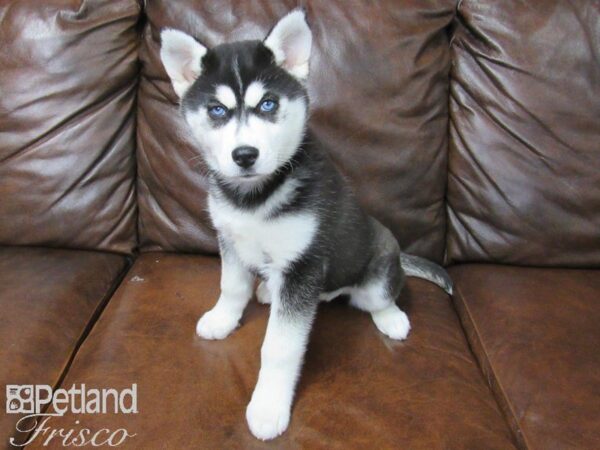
[(20, 399)]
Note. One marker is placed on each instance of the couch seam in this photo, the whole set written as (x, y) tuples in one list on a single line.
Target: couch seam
[(452, 26), (493, 379), (108, 295)]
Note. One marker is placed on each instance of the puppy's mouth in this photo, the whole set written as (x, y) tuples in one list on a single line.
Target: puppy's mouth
[(248, 178), (249, 174)]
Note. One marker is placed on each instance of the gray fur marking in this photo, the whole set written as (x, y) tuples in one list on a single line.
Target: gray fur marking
[(416, 266)]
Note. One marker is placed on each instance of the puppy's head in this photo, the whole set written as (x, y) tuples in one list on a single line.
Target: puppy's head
[(245, 102)]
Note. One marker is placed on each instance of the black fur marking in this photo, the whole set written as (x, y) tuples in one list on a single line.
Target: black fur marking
[(302, 284), (256, 197), (247, 61)]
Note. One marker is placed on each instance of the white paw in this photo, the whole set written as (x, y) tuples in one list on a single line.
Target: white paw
[(267, 417), (216, 324), (262, 294), (392, 322)]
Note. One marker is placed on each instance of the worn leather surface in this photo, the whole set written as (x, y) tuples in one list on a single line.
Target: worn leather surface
[(358, 389), (378, 86), (68, 75), (536, 334), (524, 170), (48, 298)]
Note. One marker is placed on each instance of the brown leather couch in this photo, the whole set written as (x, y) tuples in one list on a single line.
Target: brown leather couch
[(471, 128)]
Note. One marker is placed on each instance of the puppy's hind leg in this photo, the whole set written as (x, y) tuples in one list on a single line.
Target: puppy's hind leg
[(392, 321), (377, 296)]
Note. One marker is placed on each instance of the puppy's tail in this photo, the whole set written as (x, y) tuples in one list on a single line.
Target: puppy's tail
[(415, 266)]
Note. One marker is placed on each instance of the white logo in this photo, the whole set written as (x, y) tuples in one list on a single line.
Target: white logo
[(33, 400), (20, 398)]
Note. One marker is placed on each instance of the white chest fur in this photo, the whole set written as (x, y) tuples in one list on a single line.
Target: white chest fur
[(261, 242)]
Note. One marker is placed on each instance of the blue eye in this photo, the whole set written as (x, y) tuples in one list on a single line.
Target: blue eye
[(217, 111), (268, 106)]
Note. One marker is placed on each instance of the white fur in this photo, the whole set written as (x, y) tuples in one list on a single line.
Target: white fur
[(388, 318), (282, 353), (392, 322), (269, 245), (291, 41), (262, 293), (181, 56), (276, 142), (263, 243), (236, 291), (373, 298), (254, 93), (226, 96), (328, 296)]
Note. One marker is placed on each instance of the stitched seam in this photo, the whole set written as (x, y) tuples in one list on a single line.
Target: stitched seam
[(503, 402)]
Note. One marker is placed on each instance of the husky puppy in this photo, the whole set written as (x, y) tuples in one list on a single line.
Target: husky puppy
[(281, 210)]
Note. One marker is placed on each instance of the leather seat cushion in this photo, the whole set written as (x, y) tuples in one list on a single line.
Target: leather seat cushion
[(536, 334), (48, 298), (358, 389)]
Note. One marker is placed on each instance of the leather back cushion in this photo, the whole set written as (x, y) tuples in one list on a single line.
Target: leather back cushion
[(68, 73), (524, 170), (378, 88)]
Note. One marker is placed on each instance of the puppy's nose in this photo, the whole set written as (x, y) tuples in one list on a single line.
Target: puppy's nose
[(245, 156)]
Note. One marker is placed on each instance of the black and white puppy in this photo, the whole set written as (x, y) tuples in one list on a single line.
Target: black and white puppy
[(281, 210)]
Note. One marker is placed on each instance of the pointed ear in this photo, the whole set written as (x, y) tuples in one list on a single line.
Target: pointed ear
[(181, 55), (290, 41)]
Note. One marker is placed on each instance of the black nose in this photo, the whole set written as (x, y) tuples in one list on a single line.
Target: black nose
[(245, 156)]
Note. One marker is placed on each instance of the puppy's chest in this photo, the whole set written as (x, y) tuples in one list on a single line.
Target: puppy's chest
[(261, 242)]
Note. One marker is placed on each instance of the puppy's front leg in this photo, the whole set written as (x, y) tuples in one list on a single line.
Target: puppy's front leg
[(282, 353), (236, 290)]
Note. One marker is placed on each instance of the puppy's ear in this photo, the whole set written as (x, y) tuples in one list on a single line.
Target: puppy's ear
[(181, 55), (290, 41)]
